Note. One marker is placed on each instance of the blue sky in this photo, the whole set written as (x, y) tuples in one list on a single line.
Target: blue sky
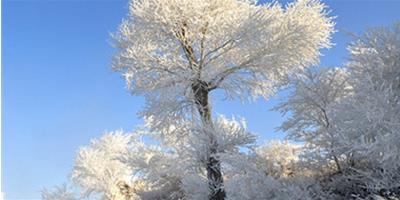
[(58, 90)]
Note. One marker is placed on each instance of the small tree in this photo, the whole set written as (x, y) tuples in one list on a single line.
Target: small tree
[(278, 158), (351, 116), (98, 169), (311, 103), (120, 166), (58, 193), (176, 52)]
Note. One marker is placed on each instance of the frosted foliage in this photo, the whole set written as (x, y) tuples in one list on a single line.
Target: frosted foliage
[(181, 164), (194, 140), (371, 117), (195, 186), (176, 52), (158, 170), (369, 126), (231, 134), (245, 49), (312, 96), (278, 158), (312, 101), (262, 187), (120, 166), (347, 119), (354, 124), (97, 168), (58, 193), (375, 58), (249, 177)]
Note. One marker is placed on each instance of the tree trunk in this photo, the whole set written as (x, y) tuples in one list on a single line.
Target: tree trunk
[(215, 180)]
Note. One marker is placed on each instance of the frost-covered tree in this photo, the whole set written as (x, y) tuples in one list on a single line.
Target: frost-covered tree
[(369, 120), (351, 116), (373, 112), (58, 193), (311, 104), (271, 171), (120, 166), (278, 159), (176, 52), (99, 169), (158, 172)]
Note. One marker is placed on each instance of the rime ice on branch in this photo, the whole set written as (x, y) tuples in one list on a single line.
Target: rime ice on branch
[(176, 52)]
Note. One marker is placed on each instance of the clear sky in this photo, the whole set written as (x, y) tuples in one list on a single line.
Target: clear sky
[(58, 90)]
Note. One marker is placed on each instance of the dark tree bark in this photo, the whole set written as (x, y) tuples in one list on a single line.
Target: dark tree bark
[(215, 180)]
